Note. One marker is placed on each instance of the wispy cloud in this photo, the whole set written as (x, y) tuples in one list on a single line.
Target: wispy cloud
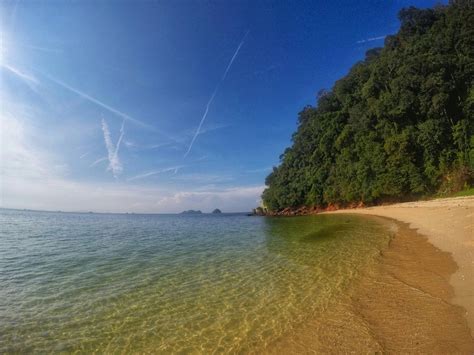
[(112, 151), (68, 195), (100, 160), (33, 47), (214, 93), (260, 170), (144, 175), (31, 177), (200, 178), (174, 169), (228, 199), (371, 39), (267, 69), (19, 158), (40, 49)]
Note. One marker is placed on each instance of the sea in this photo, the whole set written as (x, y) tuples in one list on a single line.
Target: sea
[(150, 283)]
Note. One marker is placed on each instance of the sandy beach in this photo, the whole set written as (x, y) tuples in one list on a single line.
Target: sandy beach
[(402, 304), (448, 224)]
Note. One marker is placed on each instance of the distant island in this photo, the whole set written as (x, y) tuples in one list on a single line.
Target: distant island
[(217, 211), (191, 212), (399, 126)]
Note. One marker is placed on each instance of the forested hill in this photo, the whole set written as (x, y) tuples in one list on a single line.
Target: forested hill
[(399, 125)]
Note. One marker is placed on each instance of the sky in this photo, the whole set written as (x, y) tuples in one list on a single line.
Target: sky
[(164, 106)]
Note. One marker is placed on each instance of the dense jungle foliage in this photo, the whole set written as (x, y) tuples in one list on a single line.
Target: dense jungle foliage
[(399, 125)]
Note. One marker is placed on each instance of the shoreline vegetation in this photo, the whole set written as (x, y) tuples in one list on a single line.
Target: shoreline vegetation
[(399, 126)]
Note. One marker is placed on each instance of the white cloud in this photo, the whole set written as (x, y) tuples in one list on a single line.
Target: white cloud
[(66, 195), (32, 178), (18, 157), (236, 199)]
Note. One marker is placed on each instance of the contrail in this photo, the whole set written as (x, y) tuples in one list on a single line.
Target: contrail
[(107, 107), (371, 39), (12, 18), (235, 55), (117, 147), (211, 99), (156, 172), (97, 102), (26, 77), (202, 120), (30, 79), (112, 152), (98, 161), (41, 49)]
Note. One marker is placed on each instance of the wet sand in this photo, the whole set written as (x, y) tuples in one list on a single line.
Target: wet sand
[(402, 304), (449, 225)]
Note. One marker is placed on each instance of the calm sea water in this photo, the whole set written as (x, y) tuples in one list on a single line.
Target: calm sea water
[(171, 283)]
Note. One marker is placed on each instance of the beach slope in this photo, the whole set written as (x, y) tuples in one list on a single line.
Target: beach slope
[(449, 225)]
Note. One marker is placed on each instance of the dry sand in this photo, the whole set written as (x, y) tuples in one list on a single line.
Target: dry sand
[(448, 224)]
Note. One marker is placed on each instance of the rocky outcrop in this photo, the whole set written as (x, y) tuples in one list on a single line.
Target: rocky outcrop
[(259, 211), (304, 210)]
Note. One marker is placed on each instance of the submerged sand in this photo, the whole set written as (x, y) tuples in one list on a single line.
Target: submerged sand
[(449, 225), (401, 305)]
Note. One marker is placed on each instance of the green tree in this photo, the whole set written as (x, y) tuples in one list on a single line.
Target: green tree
[(400, 124)]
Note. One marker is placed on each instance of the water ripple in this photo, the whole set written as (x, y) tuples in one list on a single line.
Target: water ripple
[(90, 282)]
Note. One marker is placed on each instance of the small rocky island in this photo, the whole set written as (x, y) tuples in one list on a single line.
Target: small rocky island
[(217, 211), (191, 212)]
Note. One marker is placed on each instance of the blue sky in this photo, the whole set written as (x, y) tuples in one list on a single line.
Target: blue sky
[(103, 103)]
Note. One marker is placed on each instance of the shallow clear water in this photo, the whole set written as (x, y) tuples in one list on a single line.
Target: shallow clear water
[(169, 283)]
